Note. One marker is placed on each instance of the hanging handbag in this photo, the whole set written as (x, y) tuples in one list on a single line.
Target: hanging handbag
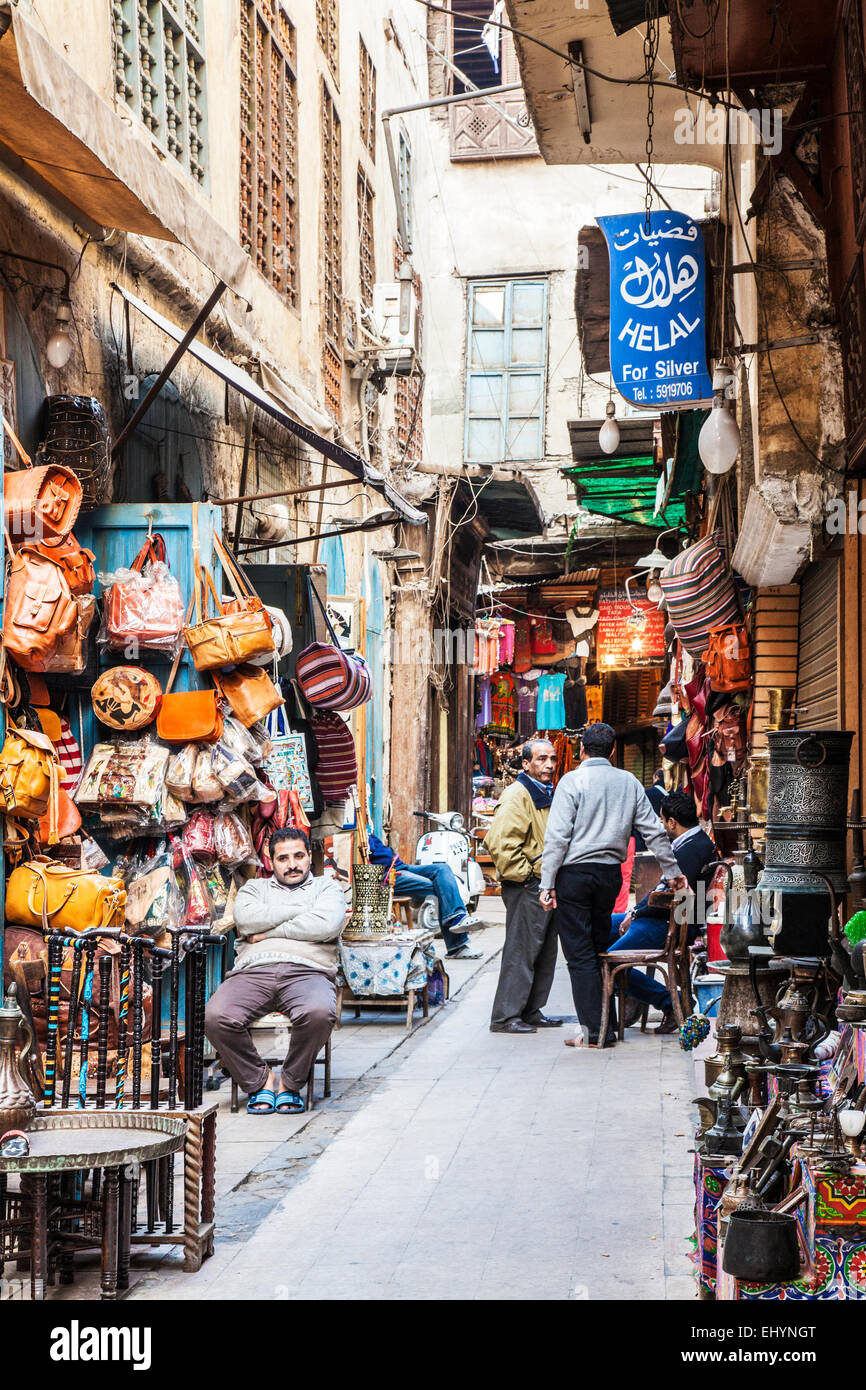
[(188, 716), (76, 561), (250, 692), (29, 773), (146, 608), (337, 767), (328, 676), (69, 899), (39, 503), (699, 590), (238, 631), (728, 658), (285, 765), (69, 656), (62, 818), (126, 697), (39, 609)]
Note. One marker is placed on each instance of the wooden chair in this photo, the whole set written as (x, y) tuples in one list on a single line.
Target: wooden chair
[(323, 1060), (403, 909), (672, 960)]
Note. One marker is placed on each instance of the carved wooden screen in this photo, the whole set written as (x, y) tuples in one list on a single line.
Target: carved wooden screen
[(269, 143)]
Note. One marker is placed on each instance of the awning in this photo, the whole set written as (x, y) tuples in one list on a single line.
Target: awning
[(510, 509), (57, 130), (244, 383), (630, 486)]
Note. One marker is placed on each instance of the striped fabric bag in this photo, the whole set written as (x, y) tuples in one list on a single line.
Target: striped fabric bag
[(337, 767), (699, 589), (329, 676)]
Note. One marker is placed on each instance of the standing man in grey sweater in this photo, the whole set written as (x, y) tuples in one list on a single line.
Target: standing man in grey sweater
[(595, 811), (288, 927)]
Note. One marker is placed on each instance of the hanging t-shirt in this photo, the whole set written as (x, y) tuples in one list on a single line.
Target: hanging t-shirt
[(522, 645), (506, 642), (551, 704), (503, 701), (575, 704), (527, 696), (485, 712)]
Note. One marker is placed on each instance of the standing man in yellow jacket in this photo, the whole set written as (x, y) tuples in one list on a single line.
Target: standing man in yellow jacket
[(515, 842)]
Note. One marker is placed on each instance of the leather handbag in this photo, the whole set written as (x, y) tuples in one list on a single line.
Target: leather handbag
[(126, 697), (61, 819), (189, 716), (149, 614), (76, 561), (46, 892), (39, 609), (330, 677), (250, 692), (29, 773), (728, 658), (237, 631), (39, 503)]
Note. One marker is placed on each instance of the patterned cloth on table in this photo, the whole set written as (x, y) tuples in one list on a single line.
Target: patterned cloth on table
[(384, 968)]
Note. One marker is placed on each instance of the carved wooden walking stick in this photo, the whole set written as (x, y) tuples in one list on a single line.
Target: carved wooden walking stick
[(122, 1023), (55, 965), (174, 985), (158, 957), (106, 965), (189, 1024), (138, 943), (86, 998), (77, 948)]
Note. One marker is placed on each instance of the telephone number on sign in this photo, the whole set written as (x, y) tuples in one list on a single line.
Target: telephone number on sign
[(669, 390)]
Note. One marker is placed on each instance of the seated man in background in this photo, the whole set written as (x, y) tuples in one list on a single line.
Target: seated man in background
[(422, 880), (645, 928), (288, 927)]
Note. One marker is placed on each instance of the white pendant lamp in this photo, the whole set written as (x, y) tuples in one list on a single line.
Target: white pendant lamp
[(608, 435), (719, 440)]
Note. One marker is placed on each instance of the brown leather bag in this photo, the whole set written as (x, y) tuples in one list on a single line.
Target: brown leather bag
[(239, 630), (77, 562), (61, 819), (39, 610), (39, 503), (250, 692), (29, 773)]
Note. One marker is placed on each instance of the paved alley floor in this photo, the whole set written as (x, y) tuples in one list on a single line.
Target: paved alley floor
[(471, 1165)]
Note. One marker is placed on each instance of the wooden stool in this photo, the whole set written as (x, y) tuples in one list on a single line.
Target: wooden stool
[(323, 1060), (672, 960), (403, 908), (384, 1001)]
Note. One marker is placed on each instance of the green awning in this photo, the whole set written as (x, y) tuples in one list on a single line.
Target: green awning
[(629, 488)]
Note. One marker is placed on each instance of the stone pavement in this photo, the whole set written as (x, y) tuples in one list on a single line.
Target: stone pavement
[(455, 1163)]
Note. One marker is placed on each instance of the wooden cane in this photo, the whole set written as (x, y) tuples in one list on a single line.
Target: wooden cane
[(137, 1019), (55, 965), (122, 1023), (174, 1002), (106, 965), (86, 999), (77, 948), (158, 958)]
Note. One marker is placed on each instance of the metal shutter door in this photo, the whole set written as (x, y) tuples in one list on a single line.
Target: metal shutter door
[(818, 656)]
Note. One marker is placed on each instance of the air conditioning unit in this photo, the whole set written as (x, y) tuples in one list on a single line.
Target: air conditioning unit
[(386, 311)]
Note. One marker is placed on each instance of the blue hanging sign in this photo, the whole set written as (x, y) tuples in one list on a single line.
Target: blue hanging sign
[(657, 310)]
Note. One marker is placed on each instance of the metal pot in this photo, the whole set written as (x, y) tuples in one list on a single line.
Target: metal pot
[(761, 1247), (807, 799)]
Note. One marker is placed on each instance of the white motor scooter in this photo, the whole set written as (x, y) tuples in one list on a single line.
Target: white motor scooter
[(448, 845)]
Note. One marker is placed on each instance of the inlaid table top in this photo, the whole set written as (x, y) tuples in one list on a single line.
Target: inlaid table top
[(96, 1139)]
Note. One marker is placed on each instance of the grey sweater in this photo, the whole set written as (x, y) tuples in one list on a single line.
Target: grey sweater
[(303, 924), (595, 810)]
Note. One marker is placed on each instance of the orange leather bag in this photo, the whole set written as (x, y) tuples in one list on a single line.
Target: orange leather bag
[(250, 692), (77, 562), (39, 503), (728, 658), (189, 716), (39, 609), (61, 819)]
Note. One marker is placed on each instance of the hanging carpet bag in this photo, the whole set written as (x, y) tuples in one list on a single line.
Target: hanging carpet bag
[(337, 768), (285, 765), (146, 608), (39, 609), (699, 589), (230, 636), (329, 677)]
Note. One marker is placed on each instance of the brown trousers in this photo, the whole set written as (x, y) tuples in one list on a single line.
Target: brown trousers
[(307, 996)]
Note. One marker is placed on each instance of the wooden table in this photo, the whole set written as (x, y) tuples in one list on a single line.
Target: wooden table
[(110, 1141)]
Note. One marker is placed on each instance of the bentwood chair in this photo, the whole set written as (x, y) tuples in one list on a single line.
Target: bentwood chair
[(672, 960)]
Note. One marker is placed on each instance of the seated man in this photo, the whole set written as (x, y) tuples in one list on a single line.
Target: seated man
[(287, 929), (645, 928), (419, 881)]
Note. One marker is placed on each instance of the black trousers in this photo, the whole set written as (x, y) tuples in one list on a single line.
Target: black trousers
[(585, 897)]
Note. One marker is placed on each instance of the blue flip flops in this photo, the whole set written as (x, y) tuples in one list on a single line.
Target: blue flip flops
[(255, 1101), (289, 1103)]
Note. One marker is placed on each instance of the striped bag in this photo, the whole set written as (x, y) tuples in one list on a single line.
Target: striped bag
[(329, 677), (337, 767), (699, 590)]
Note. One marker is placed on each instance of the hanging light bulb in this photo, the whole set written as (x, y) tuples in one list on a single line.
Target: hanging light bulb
[(58, 349), (719, 440), (654, 588), (608, 435)]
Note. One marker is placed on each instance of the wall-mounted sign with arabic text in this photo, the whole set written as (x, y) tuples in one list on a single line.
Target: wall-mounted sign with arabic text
[(629, 633), (657, 310)]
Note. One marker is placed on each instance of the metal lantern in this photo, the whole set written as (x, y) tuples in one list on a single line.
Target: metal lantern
[(371, 902), (807, 799)]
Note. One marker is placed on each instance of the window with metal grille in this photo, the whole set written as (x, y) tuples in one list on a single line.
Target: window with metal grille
[(332, 251), (367, 75), (328, 34), (269, 129), (366, 243), (159, 72), (404, 178), (506, 372), (409, 390)]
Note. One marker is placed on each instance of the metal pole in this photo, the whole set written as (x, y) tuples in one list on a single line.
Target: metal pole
[(283, 492), (320, 536), (144, 406), (248, 439)]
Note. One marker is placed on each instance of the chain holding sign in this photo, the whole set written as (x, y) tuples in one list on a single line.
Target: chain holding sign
[(658, 310)]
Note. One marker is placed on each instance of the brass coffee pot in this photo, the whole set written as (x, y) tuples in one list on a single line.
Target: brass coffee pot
[(17, 1101)]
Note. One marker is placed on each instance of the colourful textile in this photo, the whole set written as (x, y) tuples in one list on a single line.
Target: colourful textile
[(550, 710), (485, 711), (527, 698), (506, 642), (390, 968), (522, 646), (503, 701)]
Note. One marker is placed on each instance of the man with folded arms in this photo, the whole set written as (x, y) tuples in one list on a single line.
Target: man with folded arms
[(288, 927), (595, 811)]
